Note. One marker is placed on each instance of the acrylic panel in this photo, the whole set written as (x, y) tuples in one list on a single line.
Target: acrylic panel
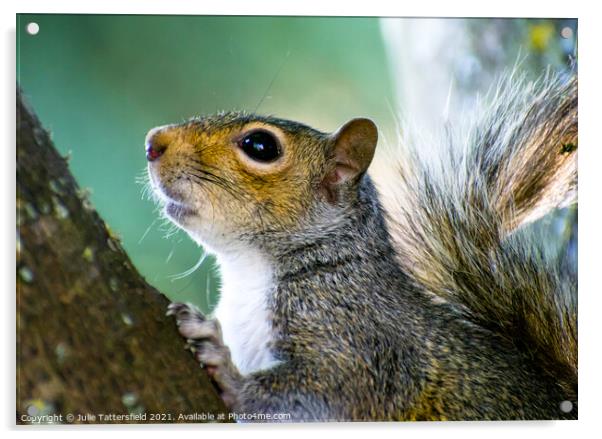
[(339, 218)]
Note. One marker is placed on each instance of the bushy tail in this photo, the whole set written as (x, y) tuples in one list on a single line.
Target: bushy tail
[(459, 220)]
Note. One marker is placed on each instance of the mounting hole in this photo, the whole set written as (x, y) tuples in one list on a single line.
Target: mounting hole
[(566, 406), (566, 33), (32, 28)]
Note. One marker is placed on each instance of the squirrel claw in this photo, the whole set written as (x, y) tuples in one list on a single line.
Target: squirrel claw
[(204, 340)]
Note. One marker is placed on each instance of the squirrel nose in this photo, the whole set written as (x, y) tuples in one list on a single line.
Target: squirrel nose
[(156, 144)]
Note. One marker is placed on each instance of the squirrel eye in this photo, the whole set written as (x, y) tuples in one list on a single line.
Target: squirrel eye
[(260, 146)]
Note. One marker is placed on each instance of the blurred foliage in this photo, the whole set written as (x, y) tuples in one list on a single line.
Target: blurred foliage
[(440, 66), (534, 45), (100, 82), (540, 35)]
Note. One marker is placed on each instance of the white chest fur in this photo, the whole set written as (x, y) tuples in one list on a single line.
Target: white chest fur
[(247, 282)]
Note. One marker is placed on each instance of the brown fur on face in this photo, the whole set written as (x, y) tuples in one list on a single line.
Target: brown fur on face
[(211, 187), (217, 193)]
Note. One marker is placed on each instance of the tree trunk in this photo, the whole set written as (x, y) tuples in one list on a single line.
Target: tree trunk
[(92, 336)]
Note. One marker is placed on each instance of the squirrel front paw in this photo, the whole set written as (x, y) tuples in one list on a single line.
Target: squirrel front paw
[(204, 338)]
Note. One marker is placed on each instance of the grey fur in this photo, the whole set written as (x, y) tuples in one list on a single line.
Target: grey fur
[(440, 309)]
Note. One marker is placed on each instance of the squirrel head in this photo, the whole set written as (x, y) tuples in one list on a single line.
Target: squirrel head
[(233, 176)]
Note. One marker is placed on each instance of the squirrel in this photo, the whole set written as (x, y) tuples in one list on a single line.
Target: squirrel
[(335, 308)]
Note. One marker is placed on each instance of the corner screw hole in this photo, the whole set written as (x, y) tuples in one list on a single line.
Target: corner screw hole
[(566, 33), (32, 28), (566, 406)]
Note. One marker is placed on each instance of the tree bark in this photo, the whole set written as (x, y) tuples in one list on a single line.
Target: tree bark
[(92, 336)]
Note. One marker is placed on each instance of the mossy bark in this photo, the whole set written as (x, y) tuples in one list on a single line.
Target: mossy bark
[(92, 336)]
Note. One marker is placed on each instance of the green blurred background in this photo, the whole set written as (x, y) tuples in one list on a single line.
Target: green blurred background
[(100, 82)]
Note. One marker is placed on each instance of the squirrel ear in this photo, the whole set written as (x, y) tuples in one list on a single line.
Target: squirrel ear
[(354, 145)]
